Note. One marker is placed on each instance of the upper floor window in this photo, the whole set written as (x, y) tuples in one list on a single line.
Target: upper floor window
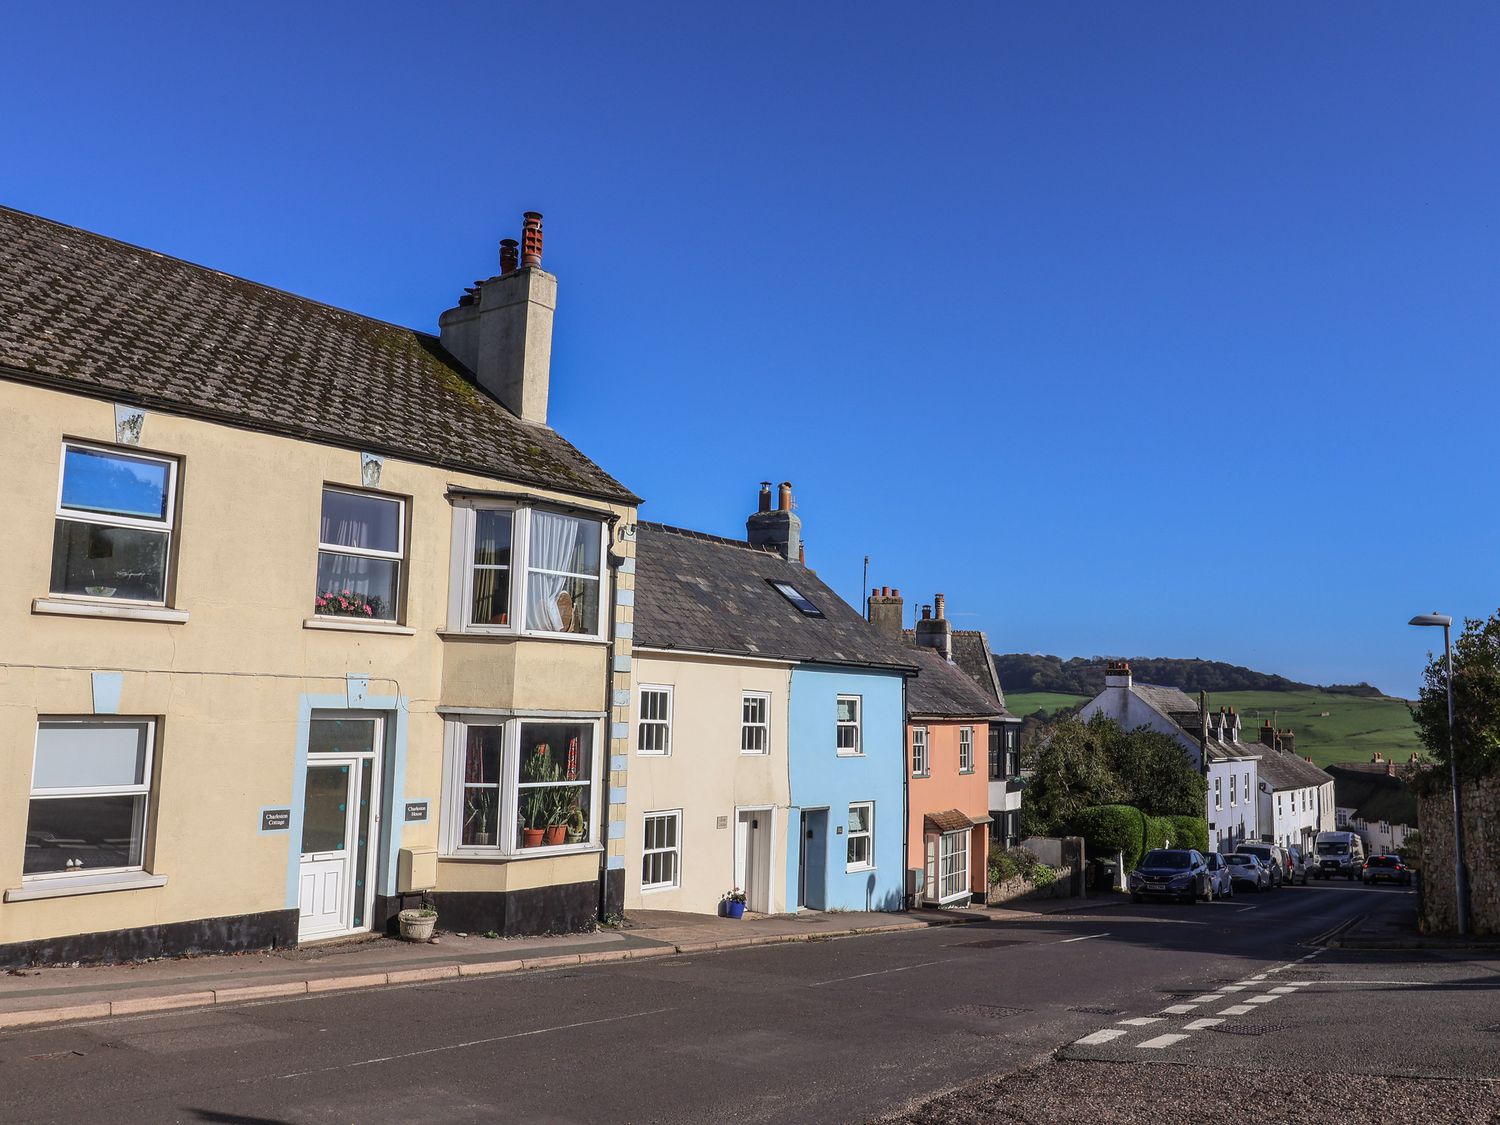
[(654, 727), (532, 570), (112, 536), (919, 751), (90, 782), (1218, 792), (755, 723), (1232, 792), (849, 741), (361, 542), (966, 750)]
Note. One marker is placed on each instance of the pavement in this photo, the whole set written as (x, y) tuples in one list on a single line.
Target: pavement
[(36, 996)]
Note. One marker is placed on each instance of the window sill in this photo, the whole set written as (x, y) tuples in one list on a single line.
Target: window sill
[(496, 856), (849, 753), (67, 887), (858, 869), (355, 625), (492, 636), (66, 607)]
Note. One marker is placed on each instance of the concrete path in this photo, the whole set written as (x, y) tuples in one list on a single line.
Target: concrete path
[(37, 996)]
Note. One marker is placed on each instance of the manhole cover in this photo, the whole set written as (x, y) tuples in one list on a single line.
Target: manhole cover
[(987, 1011), (1095, 1011), (1249, 1028)]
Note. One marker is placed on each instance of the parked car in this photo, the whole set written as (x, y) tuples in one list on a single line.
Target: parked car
[(1296, 865), (1221, 883), (1386, 868), (1338, 853), (1272, 855), (1246, 870), (1180, 873)]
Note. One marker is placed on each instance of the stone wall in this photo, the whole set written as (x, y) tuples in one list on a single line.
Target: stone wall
[(1481, 803)]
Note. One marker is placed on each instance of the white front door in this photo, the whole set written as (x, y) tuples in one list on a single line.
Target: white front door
[(752, 858), (340, 826)]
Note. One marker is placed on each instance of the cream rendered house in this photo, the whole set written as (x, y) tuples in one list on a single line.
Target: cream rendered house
[(304, 614)]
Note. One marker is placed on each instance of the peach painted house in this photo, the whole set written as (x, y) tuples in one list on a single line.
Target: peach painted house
[(948, 721)]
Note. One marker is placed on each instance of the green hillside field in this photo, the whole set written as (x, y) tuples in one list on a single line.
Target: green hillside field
[(1354, 728)]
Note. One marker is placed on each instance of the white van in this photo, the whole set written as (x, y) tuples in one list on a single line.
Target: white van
[(1337, 853)]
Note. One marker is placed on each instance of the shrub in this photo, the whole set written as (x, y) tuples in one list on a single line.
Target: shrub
[(1107, 829), (1043, 876), (1159, 830), (1002, 866), (1024, 859), (1189, 832)]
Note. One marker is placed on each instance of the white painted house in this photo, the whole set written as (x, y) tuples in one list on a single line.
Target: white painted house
[(1212, 743), (1373, 799), (1296, 798)]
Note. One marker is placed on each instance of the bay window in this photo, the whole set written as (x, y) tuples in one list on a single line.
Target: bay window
[(90, 784), (953, 866), (519, 786), (112, 534), (521, 569), (361, 541)]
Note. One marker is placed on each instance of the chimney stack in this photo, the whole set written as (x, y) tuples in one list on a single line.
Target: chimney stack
[(1117, 674), (502, 329), (781, 529), (1390, 769), (887, 611), (935, 631)]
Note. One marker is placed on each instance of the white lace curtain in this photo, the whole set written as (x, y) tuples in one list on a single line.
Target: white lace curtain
[(554, 544)]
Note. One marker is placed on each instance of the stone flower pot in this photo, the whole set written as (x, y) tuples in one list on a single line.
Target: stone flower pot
[(417, 925)]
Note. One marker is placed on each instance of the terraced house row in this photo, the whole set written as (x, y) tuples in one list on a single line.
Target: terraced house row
[(308, 617)]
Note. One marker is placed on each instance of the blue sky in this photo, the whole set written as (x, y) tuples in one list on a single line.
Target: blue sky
[(1160, 329)]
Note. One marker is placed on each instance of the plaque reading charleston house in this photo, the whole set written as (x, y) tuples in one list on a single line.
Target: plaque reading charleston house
[(416, 810)]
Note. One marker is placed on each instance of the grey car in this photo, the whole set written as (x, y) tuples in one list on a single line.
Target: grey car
[(1221, 882), (1296, 865)]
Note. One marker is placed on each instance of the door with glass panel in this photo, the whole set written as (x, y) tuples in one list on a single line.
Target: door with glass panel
[(340, 824)]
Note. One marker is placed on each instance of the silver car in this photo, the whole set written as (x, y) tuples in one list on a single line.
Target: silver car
[(1248, 871), (1220, 882)]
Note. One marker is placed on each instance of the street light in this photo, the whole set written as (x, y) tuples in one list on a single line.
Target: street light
[(1460, 881)]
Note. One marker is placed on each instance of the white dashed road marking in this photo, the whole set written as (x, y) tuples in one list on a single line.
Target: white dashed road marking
[(1101, 1036), (1207, 996), (1200, 1025), (1236, 1010), (1178, 1009), (1261, 999), (1142, 1021), (1163, 1041), (1233, 988), (1283, 989)]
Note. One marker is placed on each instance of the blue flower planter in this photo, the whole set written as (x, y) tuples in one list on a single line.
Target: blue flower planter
[(734, 910)]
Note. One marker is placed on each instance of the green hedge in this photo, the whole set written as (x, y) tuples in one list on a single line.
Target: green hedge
[(1189, 832), (1108, 829)]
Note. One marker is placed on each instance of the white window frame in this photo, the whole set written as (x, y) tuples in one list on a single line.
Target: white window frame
[(398, 609), (764, 697), (167, 524), (961, 872), (919, 760), (142, 819), (675, 851), (461, 571), (965, 749), (857, 725), (455, 741), (665, 725), (1218, 793), (868, 835), (1232, 791)]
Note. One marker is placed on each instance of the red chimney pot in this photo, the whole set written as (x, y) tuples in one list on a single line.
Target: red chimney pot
[(510, 259), (531, 239)]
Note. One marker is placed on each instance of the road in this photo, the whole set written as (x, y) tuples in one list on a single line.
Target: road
[(827, 1031)]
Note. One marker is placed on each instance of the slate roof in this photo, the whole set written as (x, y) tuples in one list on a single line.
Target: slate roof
[(1282, 770), (942, 691), (971, 654), (710, 594), (1373, 794), (84, 313), (1167, 700)]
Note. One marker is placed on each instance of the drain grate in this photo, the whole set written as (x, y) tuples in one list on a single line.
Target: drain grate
[(987, 1011), (1095, 1011), (1255, 1029)]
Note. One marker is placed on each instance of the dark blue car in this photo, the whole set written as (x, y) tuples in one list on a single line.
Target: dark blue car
[(1179, 873)]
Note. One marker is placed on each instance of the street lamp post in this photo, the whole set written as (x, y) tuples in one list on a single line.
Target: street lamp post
[(1460, 876)]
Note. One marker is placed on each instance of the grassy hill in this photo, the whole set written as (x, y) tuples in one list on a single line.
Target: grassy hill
[(1353, 728)]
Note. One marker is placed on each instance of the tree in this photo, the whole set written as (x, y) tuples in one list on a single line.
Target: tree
[(1076, 765), (1476, 703)]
